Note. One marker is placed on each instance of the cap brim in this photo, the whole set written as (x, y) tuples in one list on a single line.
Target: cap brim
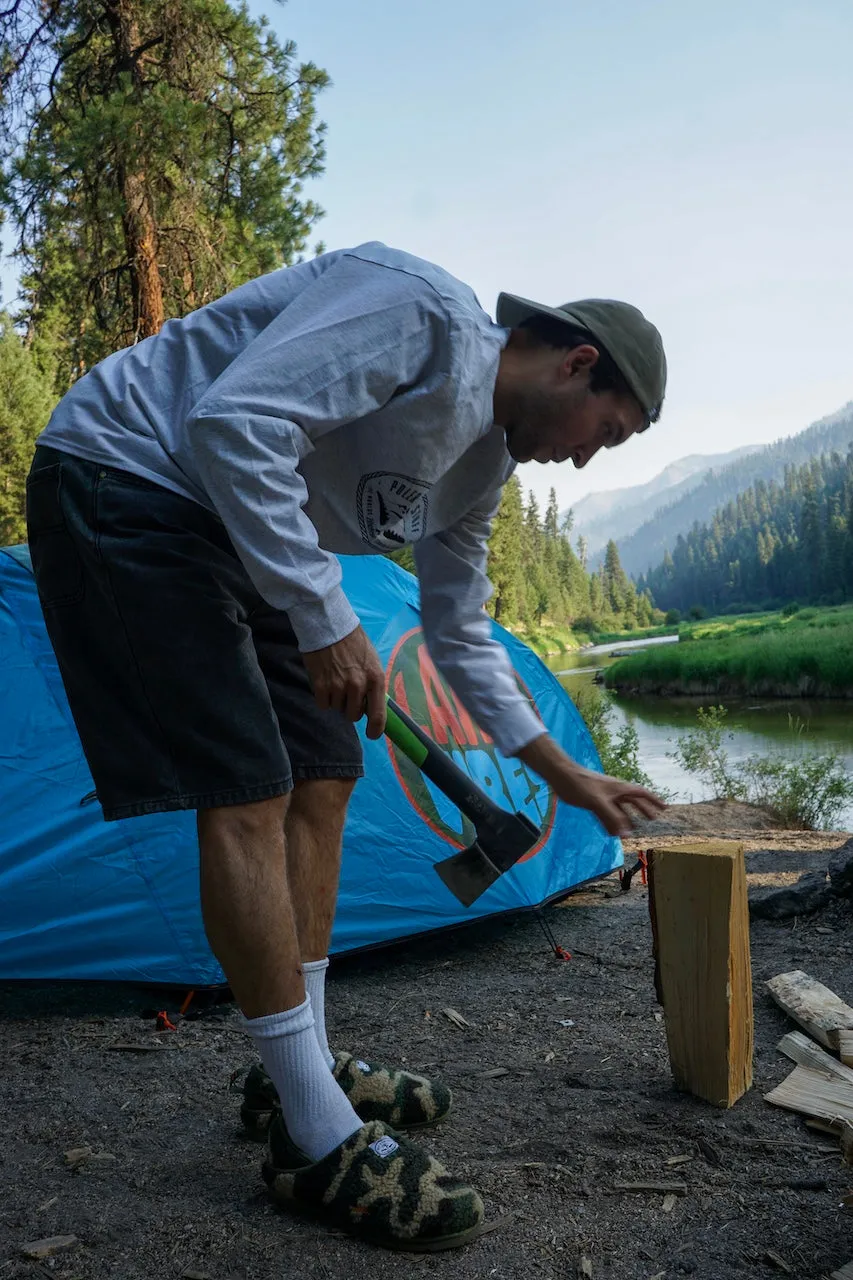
[(512, 311)]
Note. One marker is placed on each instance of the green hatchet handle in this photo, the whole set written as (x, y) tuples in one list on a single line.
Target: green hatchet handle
[(436, 765)]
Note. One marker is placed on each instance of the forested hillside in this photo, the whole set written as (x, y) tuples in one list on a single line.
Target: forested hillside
[(776, 542), (646, 547)]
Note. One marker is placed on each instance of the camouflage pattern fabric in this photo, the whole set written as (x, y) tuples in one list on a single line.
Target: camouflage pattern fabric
[(396, 1098), (379, 1186)]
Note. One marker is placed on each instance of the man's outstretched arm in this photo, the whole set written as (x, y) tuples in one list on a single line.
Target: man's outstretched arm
[(458, 631)]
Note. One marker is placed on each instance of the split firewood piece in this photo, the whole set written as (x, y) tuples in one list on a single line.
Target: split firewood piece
[(846, 1273), (700, 929), (817, 1009), (812, 1093), (845, 1046), (801, 1049), (824, 1126), (846, 1140)]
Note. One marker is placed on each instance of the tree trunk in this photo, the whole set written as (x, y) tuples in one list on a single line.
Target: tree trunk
[(140, 237), (140, 227)]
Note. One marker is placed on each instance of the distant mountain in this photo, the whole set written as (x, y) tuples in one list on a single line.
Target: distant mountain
[(616, 513), (644, 549)]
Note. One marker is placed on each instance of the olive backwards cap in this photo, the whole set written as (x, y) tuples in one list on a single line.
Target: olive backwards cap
[(632, 341)]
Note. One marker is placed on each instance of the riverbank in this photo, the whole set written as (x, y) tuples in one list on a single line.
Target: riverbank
[(806, 655), (562, 1092)]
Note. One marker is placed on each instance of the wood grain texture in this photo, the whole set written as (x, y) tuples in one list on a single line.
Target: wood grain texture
[(812, 1093), (700, 925), (817, 1009), (801, 1049)]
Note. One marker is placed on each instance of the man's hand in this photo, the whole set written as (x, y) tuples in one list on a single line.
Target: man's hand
[(348, 677), (610, 799)]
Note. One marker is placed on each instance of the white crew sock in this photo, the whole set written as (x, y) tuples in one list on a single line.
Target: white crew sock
[(315, 989), (317, 1112)]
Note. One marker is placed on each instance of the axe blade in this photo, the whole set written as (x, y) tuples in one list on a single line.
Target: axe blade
[(469, 873)]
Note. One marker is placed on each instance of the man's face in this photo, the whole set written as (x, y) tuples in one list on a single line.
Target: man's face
[(553, 416)]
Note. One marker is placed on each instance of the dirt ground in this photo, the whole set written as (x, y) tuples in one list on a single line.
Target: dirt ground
[(583, 1101)]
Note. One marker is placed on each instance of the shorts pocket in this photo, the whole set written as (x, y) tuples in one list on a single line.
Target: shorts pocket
[(56, 563)]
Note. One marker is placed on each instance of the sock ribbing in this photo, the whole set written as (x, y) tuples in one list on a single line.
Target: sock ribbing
[(317, 1113)]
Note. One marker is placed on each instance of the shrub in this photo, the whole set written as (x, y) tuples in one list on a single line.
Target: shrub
[(697, 613), (810, 792), (701, 752), (620, 752), (790, 609), (672, 617)]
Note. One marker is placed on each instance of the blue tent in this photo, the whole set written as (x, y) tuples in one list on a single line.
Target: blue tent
[(85, 899)]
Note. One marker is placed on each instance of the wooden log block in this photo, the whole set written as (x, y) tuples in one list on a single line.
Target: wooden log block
[(812, 1093), (817, 1009), (846, 1272), (799, 1048), (700, 926)]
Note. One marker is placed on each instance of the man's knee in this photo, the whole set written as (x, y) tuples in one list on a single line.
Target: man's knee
[(320, 800), (245, 825)]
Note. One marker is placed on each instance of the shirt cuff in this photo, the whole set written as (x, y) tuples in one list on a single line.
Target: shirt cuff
[(518, 727), (319, 623)]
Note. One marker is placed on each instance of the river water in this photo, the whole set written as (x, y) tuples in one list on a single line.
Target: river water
[(756, 726)]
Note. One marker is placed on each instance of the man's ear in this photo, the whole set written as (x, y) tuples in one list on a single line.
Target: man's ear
[(578, 361)]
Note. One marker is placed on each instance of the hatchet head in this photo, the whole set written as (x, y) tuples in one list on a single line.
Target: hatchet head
[(502, 839)]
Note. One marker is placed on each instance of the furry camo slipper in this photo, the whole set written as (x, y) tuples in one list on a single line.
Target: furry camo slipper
[(396, 1098), (379, 1186)]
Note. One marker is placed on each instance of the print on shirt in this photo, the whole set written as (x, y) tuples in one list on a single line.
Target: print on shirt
[(392, 509)]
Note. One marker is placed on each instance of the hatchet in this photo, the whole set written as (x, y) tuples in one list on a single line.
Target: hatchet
[(502, 837)]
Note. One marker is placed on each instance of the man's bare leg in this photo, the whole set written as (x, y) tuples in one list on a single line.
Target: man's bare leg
[(314, 828), (250, 924), (313, 835)]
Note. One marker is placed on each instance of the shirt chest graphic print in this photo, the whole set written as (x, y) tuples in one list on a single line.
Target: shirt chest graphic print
[(392, 509)]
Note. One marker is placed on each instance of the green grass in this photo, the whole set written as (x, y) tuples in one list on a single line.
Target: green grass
[(548, 641), (809, 654)]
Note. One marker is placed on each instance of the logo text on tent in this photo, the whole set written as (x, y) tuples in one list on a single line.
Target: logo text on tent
[(415, 683)]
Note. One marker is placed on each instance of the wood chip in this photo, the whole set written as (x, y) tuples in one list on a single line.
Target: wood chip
[(679, 1159), (497, 1225), (710, 1152), (47, 1204), (494, 1073), (669, 1202), (585, 1266), (456, 1018), (47, 1247), (127, 1047), (77, 1156), (663, 1188), (776, 1260)]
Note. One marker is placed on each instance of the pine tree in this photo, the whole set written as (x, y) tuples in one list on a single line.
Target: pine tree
[(154, 159), (26, 400), (506, 548)]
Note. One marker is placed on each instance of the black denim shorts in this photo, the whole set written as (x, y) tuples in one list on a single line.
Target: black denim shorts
[(187, 689)]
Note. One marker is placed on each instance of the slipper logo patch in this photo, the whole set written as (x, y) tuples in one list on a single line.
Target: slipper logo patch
[(384, 1147), (415, 683), (392, 509)]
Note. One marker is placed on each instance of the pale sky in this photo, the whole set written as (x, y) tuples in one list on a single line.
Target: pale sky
[(691, 158)]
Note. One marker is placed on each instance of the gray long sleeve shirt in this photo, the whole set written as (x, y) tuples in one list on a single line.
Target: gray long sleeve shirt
[(342, 405)]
